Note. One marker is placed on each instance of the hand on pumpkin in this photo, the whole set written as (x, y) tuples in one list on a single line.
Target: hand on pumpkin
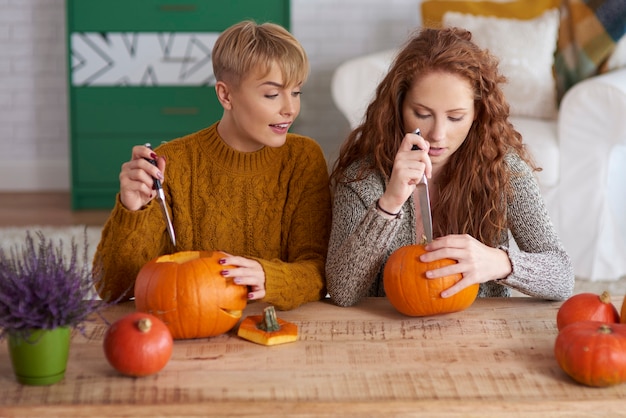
[(247, 272), (137, 178), (408, 169), (477, 262)]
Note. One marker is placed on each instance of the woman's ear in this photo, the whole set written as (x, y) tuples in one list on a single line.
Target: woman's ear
[(223, 93)]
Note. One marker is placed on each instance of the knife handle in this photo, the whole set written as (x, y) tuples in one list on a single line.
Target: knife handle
[(415, 147), (157, 182)]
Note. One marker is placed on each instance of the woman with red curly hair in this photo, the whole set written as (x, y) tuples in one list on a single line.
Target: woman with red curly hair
[(481, 182)]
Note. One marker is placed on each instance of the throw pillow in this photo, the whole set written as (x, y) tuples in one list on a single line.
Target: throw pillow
[(618, 58), (590, 33), (433, 10), (525, 49)]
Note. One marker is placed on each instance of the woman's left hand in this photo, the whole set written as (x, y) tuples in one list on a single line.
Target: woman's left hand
[(247, 272), (477, 262)]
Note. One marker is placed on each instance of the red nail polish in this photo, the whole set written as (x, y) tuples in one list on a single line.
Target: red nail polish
[(224, 272), (222, 261), (153, 155), (250, 295)]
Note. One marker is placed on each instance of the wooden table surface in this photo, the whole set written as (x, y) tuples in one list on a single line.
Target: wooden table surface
[(493, 359)]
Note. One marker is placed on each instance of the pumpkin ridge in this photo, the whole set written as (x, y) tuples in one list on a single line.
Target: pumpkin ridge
[(401, 285)]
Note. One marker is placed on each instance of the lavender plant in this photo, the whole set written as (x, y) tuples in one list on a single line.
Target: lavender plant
[(41, 288)]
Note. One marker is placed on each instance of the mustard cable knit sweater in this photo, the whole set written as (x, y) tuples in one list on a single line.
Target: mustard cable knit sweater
[(272, 205)]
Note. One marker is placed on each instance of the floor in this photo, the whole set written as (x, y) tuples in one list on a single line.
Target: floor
[(48, 208), (54, 209)]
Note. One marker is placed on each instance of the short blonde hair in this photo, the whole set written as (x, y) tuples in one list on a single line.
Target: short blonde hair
[(248, 46)]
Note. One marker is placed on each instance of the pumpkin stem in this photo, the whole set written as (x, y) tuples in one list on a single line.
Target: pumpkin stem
[(424, 241), (605, 329), (605, 297), (144, 324), (270, 322)]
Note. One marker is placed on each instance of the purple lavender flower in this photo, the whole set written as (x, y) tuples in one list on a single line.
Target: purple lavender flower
[(40, 288)]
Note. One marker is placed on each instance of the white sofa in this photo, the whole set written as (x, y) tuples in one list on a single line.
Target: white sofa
[(582, 153)]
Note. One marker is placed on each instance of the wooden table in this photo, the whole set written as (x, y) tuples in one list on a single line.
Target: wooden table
[(493, 359)]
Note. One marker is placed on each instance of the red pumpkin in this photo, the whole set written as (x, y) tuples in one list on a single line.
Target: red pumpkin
[(187, 292), (587, 306), (593, 353), (412, 294), (139, 344)]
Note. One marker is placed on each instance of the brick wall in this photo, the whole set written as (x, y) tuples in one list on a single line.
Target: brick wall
[(33, 79)]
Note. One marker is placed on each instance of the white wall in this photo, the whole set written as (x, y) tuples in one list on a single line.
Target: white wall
[(33, 82)]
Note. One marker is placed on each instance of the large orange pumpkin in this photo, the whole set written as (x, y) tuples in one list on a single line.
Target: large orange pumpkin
[(187, 292), (412, 294)]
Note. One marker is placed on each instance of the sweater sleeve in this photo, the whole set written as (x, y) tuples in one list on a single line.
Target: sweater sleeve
[(359, 242), (541, 266), (298, 276), (129, 240)]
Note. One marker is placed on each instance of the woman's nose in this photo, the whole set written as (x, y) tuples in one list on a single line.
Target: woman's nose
[(437, 132), (290, 106)]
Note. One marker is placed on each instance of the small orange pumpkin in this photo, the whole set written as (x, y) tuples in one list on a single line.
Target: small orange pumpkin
[(187, 292), (138, 344), (412, 294), (592, 353), (623, 311), (587, 306)]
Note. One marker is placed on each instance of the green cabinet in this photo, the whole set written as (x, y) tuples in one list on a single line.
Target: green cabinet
[(140, 71)]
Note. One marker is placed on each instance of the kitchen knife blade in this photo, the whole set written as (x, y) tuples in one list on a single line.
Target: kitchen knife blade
[(424, 201), (161, 198)]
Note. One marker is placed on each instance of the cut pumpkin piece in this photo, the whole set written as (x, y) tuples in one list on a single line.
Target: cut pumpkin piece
[(267, 329)]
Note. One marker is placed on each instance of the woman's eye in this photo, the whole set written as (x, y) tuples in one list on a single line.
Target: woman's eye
[(458, 119), (271, 96), (422, 116), (296, 93)]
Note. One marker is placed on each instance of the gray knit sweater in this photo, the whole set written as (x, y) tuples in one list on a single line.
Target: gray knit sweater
[(361, 241)]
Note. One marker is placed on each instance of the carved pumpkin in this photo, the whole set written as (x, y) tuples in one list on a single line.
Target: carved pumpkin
[(587, 306), (138, 344), (593, 353), (187, 292), (412, 294)]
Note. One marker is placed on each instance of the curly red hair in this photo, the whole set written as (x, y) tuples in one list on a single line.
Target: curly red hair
[(473, 183)]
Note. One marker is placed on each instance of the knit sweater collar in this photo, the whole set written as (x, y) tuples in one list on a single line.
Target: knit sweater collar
[(227, 157)]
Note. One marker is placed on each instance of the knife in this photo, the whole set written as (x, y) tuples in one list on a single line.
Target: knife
[(161, 198), (424, 201)]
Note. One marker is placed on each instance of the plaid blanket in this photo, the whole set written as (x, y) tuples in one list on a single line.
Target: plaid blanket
[(588, 33)]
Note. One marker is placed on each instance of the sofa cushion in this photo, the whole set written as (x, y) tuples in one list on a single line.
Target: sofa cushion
[(540, 137), (526, 52)]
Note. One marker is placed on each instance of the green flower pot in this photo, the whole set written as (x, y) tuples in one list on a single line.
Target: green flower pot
[(41, 357)]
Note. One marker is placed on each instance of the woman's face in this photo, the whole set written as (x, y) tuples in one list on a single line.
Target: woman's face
[(260, 111), (441, 105)]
